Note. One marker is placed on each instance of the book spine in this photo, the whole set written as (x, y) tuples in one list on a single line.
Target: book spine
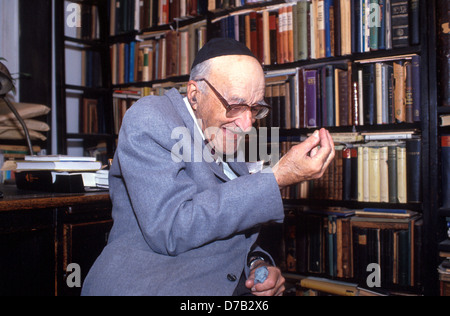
[(414, 22), (302, 21), (413, 164), (369, 93), (384, 175), (445, 157), (416, 97), (399, 91), (388, 25), (392, 170), (443, 47), (374, 19), (401, 174), (347, 174), (360, 175), (328, 25), (311, 97), (344, 108), (374, 174), (408, 93), (357, 25), (379, 89), (320, 29), (382, 25), (400, 23), (254, 33), (354, 174), (273, 38)]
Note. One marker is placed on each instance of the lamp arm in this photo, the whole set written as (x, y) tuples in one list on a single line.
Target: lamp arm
[(21, 121)]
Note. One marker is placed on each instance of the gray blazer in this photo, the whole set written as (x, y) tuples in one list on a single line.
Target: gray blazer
[(180, 228)]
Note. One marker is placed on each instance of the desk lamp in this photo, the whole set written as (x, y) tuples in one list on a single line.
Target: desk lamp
[(6, 85)]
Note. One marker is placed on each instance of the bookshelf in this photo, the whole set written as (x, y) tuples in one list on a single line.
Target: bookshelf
[(125, 79)]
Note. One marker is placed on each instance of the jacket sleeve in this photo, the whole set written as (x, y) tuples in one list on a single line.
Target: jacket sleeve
[(174, 215)]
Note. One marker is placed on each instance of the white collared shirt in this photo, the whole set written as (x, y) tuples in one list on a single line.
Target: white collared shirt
[(226, 168)]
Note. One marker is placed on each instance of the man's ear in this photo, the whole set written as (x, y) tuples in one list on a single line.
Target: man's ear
[(192, 93)]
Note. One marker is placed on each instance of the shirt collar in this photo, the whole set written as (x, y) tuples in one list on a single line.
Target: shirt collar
[(191, 112)]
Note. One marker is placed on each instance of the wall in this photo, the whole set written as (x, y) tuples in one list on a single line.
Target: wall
[(9, 37)]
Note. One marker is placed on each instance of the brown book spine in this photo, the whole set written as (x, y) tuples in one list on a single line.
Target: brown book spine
[(254, 33), (290, 34), (399, 92)]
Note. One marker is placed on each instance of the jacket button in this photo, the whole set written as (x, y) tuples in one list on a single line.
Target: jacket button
[(231, 277)]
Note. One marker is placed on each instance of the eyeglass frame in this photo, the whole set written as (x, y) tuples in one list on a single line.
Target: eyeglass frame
[(229, 107)]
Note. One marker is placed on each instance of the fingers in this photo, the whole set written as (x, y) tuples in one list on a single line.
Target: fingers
[(273, 286), (312, 142)]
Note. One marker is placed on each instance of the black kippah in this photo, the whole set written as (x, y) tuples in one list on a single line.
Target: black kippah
[(221, 47)]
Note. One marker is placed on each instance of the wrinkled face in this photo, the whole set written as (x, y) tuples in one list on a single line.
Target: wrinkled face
[(240, 80)]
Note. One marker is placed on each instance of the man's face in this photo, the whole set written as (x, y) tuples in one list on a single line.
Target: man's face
[(240, 80)]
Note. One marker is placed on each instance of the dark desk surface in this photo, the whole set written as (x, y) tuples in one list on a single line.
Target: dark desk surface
[(14, 199)]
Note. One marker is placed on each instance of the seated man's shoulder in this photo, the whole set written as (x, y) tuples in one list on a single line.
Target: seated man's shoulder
[(155, 112)]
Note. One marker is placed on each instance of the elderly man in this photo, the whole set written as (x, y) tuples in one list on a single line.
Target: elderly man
[(189, 227)]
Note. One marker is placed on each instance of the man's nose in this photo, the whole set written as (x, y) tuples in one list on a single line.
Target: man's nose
[(245, 121)]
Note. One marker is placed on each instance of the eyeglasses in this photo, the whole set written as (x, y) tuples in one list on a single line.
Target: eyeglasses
[(259, 111)]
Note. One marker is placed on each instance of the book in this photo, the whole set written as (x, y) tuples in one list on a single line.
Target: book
[(374, 175), (59, 182), (392, 171), (311, 98), (444, 120), (443, 51), (400, 23), (402, 174), (413, 167), (376, 136), (58, 158), (52, 165), (384, 175), (445, 158), (399, 92)]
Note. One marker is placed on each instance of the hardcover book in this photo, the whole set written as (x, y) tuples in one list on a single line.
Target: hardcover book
[(445, 156)]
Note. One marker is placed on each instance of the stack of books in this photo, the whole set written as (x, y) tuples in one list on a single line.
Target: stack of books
[(63, 174)]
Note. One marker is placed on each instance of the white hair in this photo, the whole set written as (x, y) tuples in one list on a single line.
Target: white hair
[(201, 71)]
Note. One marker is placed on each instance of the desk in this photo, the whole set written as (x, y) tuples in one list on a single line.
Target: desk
[(41, 233)]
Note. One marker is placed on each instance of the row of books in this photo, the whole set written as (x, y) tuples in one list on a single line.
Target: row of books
[(157, 55), (123, 99), (315, 29), (90, 25), (135, 15), (367, 173), (91, 69), (375, 92), (92, 119), (342, 243), (220, 5)]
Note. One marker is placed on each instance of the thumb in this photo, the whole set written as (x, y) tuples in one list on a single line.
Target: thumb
[(312, 142)]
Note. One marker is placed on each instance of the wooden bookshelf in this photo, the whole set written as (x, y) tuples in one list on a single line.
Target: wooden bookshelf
[(427, 126)]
